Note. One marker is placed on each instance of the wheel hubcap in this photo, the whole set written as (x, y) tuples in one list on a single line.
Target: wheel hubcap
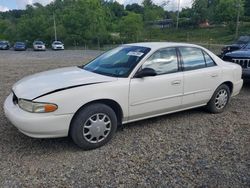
[(221, 99), (97, 128)]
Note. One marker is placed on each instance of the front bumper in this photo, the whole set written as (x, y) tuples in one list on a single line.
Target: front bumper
[(39, 48), (58, 47), (19, 49), (37, 125)]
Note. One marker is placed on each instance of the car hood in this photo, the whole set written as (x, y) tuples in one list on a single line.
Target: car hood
[(243, 53), (43, 83)]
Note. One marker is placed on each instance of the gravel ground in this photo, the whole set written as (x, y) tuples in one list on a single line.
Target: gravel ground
[(186, 149)]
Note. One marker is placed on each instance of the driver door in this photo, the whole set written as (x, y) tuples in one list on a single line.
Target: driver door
[(155, 95)]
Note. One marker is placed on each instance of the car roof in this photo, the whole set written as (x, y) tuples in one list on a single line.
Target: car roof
[(158, 45)]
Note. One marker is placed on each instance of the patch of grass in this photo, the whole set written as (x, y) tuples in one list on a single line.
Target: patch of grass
[(212, 35)]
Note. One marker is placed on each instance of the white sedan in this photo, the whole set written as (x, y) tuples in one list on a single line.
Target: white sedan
[(129, 83), (57, 45), (39, 46)]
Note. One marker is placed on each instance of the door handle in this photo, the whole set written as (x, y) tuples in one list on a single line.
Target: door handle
[(214, 75), (176, 82)]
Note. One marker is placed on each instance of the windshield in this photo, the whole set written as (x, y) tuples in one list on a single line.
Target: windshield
[(247, 46), (243, 40), (20, 43), (38, 42), (57, 43), (3, 42), (118, 62)]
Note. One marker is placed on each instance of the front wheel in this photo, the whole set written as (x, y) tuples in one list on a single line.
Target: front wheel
[(219, 100), (93, 126)]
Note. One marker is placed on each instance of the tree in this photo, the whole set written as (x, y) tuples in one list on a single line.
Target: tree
[(135, 8), (227, 10), (131, 27), (247, 8), (200, 11), (152, 12)]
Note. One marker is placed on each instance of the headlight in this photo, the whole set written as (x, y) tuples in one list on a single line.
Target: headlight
[(36, 107)]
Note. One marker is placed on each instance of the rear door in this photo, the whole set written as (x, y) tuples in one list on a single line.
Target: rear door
[(201, 76)]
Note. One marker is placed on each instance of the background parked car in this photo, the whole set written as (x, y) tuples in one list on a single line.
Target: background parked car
[(57, 45), (240, 43), (4, 45), (20, 46), (241, 57), (39, 46)]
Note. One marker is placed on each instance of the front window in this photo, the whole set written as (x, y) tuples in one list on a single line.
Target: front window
[(118, 62), (163, 61)]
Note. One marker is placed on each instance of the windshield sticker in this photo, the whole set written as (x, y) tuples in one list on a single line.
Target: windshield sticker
[(137, 54)]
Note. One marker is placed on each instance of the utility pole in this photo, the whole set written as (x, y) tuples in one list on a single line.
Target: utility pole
[(238, 21), (55, 26), (178, 14)]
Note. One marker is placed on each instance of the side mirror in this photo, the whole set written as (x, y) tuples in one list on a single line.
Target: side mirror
[(145, 73)]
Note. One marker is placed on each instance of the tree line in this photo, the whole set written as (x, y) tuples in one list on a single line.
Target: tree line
[(88, 22)]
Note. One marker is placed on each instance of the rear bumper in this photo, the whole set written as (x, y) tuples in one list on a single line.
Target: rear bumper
[(37, 125), (237, 87)]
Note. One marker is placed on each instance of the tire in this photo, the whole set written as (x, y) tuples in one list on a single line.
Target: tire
[(219, 100), (93, 126)]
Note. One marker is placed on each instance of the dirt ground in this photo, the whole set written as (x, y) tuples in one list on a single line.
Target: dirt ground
[(186, 149)]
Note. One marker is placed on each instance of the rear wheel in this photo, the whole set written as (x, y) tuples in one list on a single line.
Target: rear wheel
[(219, 100), (93, 126)]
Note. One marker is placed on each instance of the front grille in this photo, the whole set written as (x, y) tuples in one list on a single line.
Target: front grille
[(15, 99), (244, 63)]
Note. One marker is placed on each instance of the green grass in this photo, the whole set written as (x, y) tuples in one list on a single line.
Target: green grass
[(212, 35)]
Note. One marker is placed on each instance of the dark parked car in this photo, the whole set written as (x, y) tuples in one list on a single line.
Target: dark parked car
[(240, 43), (4, 45), (241, 57), (20, 46)]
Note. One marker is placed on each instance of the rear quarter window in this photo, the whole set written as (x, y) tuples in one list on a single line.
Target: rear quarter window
[(209, 61)]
